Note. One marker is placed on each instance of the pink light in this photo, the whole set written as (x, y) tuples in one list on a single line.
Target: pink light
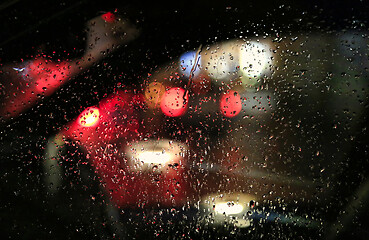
[(173, 103)]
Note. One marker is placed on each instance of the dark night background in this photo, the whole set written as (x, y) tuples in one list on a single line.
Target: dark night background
[(56, 29)]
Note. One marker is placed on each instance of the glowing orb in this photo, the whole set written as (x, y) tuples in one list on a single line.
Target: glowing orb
[(89, 117), (255, 58), (230, 104), (174, 102), (228, 208)]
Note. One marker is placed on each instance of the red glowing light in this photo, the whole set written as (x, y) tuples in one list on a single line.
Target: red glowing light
[(174, 102), (230, 104), (89, 117), (108, 17), (47, 75)]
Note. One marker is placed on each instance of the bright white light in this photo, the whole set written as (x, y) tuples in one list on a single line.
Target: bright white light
[(19, 69), (143, 155), (228, 208), (89, 117), (154, 157), (255, 58)]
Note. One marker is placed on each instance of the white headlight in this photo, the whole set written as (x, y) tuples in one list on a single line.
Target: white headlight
[(144, 155), (255, 60), (154, 157), (228, 208)]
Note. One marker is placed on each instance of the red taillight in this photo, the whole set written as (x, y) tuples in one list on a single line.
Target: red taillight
[(89, 117), (230, 104), (108, 17), (174, 102)]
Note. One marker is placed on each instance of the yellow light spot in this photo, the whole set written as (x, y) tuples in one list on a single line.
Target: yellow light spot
[(89, 117)]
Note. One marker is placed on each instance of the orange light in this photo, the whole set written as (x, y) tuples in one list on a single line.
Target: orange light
[(89, 117), (230, 104), (174, 102), (153, 94)]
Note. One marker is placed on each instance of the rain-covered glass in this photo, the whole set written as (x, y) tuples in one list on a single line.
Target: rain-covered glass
[(188, 120)]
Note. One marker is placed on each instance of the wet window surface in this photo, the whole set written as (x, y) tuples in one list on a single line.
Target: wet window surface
[(194, 120)]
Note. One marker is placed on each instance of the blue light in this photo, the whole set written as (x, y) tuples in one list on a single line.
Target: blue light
[(187, 61)]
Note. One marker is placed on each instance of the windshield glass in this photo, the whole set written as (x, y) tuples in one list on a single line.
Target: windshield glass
[(187, 120)]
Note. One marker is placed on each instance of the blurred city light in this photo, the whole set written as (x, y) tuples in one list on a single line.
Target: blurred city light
[(221, 61), (174, 102), (89, 117), (143, 155), (153, 93), (255, 59), (108, 17), (154, 157), (230, 104), (228, 208), (187, 61)]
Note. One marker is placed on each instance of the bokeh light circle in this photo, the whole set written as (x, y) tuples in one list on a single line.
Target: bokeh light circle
[(230, 104), (174, 103)]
